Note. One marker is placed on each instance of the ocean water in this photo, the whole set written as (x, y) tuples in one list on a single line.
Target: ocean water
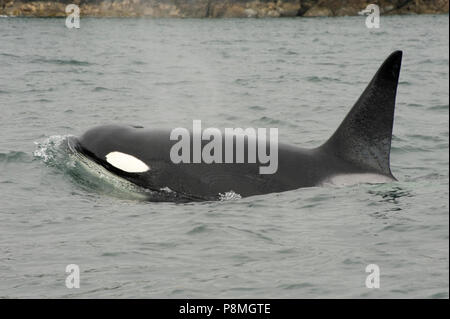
[(299, 75)]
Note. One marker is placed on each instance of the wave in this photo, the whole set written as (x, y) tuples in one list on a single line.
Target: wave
[(62, 62), (316, 79), (56, 152), (14, 157), (59, 153)]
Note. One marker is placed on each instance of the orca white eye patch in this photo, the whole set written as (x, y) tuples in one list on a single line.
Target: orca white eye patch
[(126, 162)]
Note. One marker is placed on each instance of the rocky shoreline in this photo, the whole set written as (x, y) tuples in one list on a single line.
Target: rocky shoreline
[(217, 8)]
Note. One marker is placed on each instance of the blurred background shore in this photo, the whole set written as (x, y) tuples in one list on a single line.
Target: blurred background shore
[(218, 8)]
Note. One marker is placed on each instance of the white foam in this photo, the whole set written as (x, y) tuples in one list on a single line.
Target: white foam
[(49, 149), (126, 162), (231, 195)]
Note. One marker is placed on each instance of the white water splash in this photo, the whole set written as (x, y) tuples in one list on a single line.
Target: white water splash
[(49, 149), (231, 195)]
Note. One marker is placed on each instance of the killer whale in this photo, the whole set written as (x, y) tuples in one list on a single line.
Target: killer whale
[(357, 152)]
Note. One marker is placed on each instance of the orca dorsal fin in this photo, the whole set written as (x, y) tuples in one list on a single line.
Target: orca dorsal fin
[(364, 136)]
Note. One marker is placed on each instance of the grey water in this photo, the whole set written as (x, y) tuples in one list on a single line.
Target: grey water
[(298, 75)]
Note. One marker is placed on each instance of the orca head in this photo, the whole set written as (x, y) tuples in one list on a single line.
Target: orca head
[(125, 152), (115, 148)]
